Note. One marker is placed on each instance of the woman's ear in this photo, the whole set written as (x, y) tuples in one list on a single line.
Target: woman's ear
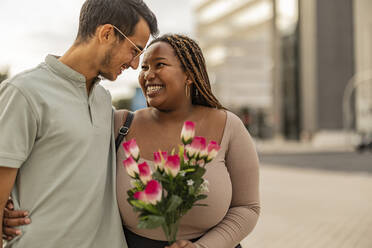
[(188, 80)]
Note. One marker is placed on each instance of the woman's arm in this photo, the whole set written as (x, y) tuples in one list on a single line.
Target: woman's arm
[(242, 164), (7, 178), (12, 219)]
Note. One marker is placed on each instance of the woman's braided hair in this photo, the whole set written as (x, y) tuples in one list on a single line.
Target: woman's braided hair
[(193, 63)]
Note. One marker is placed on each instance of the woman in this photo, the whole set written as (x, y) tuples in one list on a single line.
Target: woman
[(175, 83)]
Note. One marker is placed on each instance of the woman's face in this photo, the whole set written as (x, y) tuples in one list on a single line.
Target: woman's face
[(162, 78)]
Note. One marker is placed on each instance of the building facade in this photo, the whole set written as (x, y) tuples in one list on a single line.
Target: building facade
[(291, 59), (236, 38)]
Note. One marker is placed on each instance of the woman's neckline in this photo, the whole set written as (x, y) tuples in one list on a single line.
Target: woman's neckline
[(221, 143)]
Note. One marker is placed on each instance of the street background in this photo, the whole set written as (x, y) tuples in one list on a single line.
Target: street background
[(312, 198)]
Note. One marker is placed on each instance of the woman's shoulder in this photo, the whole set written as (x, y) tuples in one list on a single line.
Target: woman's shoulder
[(121, 115), (233, 118), (233, 123), (142, 113), (212, 114), (221, 115)]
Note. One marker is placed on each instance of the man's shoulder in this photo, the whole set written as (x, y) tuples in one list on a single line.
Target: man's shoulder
[(102, 94), (27, 77), (103, 90)]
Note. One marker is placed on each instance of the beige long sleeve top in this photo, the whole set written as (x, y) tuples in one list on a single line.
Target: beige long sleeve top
[(233, 197)]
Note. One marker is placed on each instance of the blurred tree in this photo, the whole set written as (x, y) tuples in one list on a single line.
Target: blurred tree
[(4, 75), (122, 103)]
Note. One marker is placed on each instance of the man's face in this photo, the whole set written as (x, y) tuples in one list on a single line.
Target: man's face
[(122, 54)]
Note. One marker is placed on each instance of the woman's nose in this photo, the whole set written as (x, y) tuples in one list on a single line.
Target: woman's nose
[(149, 74)]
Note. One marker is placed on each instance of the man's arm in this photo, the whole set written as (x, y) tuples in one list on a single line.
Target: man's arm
[(7, 178)]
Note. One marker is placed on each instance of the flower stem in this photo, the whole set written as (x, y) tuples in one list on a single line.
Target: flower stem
[(170, 231)]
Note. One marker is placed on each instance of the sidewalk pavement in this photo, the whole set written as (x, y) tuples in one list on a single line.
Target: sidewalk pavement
[(306, 208), (323, 141), (280, 146)]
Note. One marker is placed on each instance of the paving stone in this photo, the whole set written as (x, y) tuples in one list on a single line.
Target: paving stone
[(307, 208)]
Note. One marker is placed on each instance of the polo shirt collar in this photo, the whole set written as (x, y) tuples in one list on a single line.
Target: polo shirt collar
[(65, 71)]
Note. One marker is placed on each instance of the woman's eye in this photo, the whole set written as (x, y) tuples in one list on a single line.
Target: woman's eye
[(160, 64)]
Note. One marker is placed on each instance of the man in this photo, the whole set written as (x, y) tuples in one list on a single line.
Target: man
[(57, 147)]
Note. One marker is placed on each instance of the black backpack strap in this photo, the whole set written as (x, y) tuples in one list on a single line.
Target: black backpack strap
[(124, 130)]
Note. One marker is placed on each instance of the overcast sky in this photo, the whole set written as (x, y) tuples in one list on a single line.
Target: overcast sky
[(32, 29)]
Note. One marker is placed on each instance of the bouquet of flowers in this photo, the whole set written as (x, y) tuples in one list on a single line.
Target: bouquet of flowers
[(164, 195)]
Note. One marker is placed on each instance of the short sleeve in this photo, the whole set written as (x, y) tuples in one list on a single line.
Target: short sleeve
[(18, 126)]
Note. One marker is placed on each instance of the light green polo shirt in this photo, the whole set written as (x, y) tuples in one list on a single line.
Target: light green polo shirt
[(62, 142)]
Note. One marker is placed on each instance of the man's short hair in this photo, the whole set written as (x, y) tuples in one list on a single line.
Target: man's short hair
[(124, 14)]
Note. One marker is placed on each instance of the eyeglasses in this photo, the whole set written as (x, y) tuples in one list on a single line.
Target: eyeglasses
[(138, 51)]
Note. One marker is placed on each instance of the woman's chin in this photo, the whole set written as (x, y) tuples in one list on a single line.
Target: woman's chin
[(157, 105), (153, 101)]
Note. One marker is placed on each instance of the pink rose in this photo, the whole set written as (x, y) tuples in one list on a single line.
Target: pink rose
[(131, 149), (144, 172), (213, 149), (131, 166), (140, 195), (188, 132), (153, 192), (198, 148), (172, 165), (159, 159)]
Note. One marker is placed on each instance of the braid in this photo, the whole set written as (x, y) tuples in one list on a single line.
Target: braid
[(181, 53), (190, 66), (206, 87), (193, 63)]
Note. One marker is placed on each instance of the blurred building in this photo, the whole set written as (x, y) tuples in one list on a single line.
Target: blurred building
[(363, 64), (288, 59), (235, 36)]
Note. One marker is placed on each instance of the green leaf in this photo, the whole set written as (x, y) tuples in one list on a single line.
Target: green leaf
[(137, 204), (200, 171), (191, 190), (190, 170), (144, 206), (201, 197), (197, 183), (173, 203), (159, 177), (181, 151), (201, 205), (139, 185), (151, 221), (151, 208)]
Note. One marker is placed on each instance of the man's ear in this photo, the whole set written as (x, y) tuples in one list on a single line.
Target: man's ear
[(105, 33)]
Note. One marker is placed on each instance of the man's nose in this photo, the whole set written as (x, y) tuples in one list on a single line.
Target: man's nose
[(135, 62)]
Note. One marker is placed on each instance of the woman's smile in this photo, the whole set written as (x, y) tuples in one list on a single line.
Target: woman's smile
[(154, 90)]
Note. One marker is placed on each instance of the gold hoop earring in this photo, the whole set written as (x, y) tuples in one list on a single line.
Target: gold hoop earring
[(187, 90)]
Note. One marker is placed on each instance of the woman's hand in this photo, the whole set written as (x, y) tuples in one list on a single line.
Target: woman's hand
[(13, 218), (182, 244)]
